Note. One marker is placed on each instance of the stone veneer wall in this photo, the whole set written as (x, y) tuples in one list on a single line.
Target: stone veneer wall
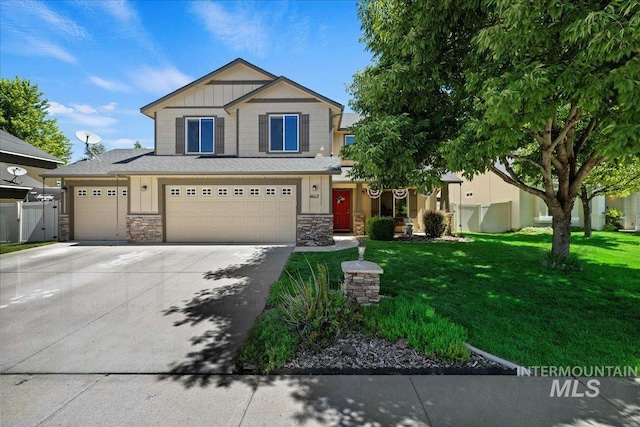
[(63, 228), (314, 230), (144, 228), (358, 224)]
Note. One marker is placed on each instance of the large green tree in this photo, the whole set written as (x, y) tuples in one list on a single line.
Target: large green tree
[(509, 86), (23, 112)]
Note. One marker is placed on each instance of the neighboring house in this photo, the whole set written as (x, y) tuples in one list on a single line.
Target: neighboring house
[(353, 202), (16, 152), (19, 219), (240, 155), (488, 204)]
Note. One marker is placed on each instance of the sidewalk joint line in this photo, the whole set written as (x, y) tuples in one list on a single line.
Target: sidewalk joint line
[(415, 390)]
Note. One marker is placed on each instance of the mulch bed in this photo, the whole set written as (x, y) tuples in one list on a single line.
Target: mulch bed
[(420, 238)]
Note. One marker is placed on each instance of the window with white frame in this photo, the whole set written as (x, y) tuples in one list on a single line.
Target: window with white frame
[(96, 192), (111, 192), (82, 192), (207, 191), (287, 191), (223, 191), (175, 191), (349, 139), (270, 191), (238, 191), (254, 191), (200, 134), (190, 192), (283, 133)]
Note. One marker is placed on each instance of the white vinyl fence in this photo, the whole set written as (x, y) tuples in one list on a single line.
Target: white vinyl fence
[(490, 218), (28, 221)]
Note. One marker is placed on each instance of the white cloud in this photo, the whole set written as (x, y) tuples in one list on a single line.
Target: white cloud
[(109, 107), (40, 47), (84, 108), (241, 29), (34, 16), (82, 114), (109, 84), (122, 143), (56, 108), (159, 81)]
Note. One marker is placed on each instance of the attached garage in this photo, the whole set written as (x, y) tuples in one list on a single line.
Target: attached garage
[(100, 213), (230, 213)]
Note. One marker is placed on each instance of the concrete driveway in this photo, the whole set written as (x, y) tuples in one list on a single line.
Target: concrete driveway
[(74, 308)]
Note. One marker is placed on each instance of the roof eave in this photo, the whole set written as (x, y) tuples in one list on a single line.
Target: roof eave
[(13, 153)]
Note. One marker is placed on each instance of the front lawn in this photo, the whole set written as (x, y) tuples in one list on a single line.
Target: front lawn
[(510, 304), (6, 248)]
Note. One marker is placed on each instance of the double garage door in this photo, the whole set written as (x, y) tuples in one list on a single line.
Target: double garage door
[(230, 213), (100, 213)]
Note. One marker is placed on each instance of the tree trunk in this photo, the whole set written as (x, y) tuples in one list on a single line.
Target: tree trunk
[(561, 224), (586, 209)]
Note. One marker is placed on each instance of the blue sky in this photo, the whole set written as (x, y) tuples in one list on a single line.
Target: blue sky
[(98, 62)]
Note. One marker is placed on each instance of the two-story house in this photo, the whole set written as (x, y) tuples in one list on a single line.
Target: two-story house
[(240, 155)]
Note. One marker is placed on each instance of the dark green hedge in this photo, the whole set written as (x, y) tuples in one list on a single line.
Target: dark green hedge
[(380, 228)]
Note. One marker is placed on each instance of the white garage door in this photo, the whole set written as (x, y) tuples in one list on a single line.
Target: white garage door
[(100, 213), (231, 213)]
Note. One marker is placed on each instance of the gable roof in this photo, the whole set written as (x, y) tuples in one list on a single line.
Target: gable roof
[(206, 79), (14, 146), (145, 162), (281, 79), (348, 120)]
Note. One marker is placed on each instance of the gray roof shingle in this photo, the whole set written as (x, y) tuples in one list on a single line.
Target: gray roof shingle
[(145, 162), (10, 144)]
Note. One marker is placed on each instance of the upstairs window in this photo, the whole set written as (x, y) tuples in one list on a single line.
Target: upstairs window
[(200, 134), (283, 133), (349, 139)]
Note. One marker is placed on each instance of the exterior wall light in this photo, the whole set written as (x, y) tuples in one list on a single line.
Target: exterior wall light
[(314, 187), (143, 188)]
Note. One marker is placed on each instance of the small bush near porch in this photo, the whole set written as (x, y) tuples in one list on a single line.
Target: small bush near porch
[(495, 294)]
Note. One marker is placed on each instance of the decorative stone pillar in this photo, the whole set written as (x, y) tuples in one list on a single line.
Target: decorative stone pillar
[(144, 228), (63, 228), (314, 230), (358, 224), (362, 281)]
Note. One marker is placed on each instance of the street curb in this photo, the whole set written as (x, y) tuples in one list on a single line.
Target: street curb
[(493, 358)]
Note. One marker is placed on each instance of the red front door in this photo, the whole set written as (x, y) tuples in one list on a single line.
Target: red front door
[(342, 209)]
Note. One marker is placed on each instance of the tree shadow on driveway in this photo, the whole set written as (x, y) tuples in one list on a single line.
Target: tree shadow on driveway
[(230, 310)]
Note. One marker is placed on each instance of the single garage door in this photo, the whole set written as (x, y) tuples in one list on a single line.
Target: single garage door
[(100, 213), (231, 213)]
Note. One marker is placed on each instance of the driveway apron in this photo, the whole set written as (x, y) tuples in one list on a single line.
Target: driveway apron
[(74, 308)]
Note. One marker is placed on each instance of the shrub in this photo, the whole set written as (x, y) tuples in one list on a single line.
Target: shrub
[(413, 319), (318, 314), (612, 219), (381, 228), (435, 223)]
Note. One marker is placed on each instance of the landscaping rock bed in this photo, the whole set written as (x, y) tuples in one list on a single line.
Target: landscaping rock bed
[(359, 354)]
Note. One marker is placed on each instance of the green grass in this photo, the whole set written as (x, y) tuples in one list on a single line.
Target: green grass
[(497, 289), (6, 248)]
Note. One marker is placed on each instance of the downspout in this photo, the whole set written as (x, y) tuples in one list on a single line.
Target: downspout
[(117, 212), (44, 228)]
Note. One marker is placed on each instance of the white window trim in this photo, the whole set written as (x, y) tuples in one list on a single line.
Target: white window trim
[(186, 135), (284, 132), (345, 139)]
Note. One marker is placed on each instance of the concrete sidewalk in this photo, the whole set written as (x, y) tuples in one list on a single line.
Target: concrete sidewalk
[(141, 400)]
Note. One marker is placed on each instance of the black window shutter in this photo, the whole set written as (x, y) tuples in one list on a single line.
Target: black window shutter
[(219, 135), (304, 132), (179, 135), (263, 133)]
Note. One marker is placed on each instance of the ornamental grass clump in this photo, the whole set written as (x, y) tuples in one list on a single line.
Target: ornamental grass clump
[(318, 315)]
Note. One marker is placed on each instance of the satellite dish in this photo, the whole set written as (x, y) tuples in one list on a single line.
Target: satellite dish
[(88, 137), (16, 171)]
